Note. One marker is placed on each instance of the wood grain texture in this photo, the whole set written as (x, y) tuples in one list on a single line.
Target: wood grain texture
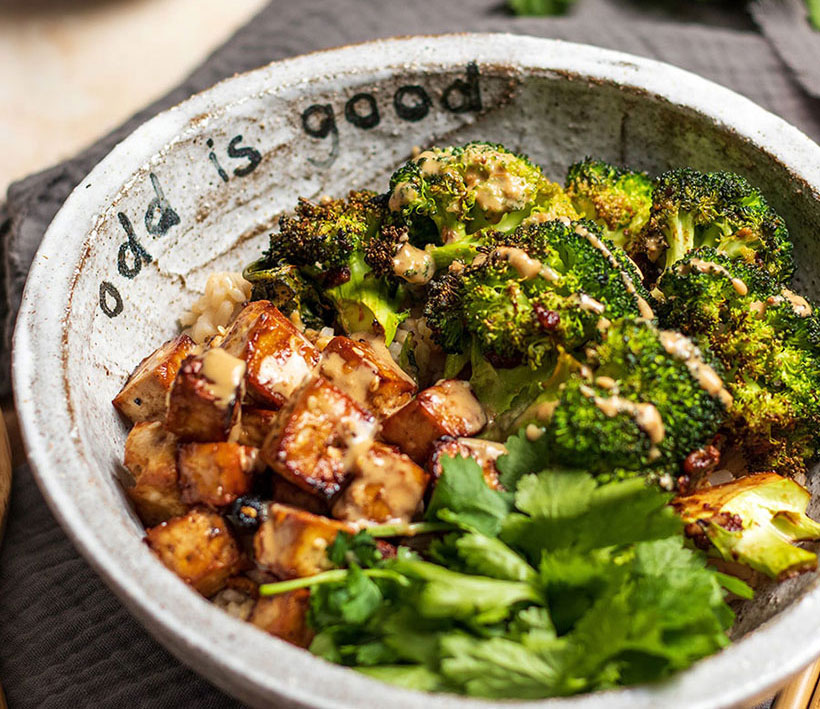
[(797, 694)]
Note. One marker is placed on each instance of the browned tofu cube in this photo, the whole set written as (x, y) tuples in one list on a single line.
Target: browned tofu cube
[(367, 374), (485, 453), (293, 543), (255, 425), (287, 493), (151, 457), (205, 398), (445, 409), (285, 616), (144, 397), (317, 439), (387, 486), (279, 358), (215, 474), (198, 548)]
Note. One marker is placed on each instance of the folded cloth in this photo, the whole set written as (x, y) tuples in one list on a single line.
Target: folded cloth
[(64, 639), (785, 24)]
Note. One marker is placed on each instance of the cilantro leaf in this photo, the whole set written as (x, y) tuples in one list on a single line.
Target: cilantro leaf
[(522, 458), (491, 557), (450, 594), (407, 676), (566, 509), (359, 548), (463, 498)]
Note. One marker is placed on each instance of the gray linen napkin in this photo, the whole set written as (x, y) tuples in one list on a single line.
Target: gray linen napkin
[(785, 24), (65, 641)]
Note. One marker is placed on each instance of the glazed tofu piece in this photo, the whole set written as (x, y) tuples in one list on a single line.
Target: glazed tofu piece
[(387, 486), (293, 543), (279, 358), (198, 548), (287, 493), (285, 616), (317, 439), (151, 457), (485, 453), (255, 425), (367, 374), (205, 398), (446, 409), (215, 474), (144, 397)]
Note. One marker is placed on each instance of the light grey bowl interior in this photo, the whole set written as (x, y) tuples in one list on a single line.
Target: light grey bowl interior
[(553, 100)]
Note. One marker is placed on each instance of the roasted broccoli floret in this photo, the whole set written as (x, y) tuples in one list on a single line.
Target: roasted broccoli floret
[(288, 290), (618, 200), (446, 194), (329, 243), (550, 285), (754, 520), (718, 209), (768, 339), (646, 399)]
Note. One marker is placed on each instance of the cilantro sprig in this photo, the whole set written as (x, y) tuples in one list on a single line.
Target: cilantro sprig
[(563, 586)]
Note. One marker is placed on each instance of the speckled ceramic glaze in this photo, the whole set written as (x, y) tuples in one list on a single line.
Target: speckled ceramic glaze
[(197, 188)]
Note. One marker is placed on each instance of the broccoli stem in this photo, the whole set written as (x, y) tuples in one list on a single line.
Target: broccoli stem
[(332, 576)]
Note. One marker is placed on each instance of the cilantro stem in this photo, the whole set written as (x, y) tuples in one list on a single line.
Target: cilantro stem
[(407, 530), (332, 576)]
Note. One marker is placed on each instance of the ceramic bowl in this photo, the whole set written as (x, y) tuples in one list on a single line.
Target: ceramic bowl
[(197, 189)]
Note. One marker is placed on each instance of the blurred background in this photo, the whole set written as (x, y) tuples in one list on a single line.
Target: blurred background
[(72, 71)]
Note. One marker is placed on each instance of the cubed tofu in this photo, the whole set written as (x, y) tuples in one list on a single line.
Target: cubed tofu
[(485, 453), (197, 547), (386, 486), (279, 358), (144, 397), (293, 543), (317, 439), (205, 398), (285, 616), (215, 474), (151, 457), (367, 374), (446, 409), (255, 425), (287, 493)]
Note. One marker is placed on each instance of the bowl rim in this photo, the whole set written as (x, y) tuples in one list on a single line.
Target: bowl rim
[(232, 658)]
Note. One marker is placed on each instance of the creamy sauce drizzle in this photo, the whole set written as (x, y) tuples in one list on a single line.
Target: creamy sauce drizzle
[(645, 414), (526, 266), (455, 397), (643, 307), (710, 267), (682, 348), (799, 304), (413, 265), (224, 373), (533, 432)]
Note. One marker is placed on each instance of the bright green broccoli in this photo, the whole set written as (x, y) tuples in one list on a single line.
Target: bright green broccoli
[(647, 398), (447, 196), (718, 209), (540, 288), (768, 339), (328, 243), (618, 200), (754, 520)]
